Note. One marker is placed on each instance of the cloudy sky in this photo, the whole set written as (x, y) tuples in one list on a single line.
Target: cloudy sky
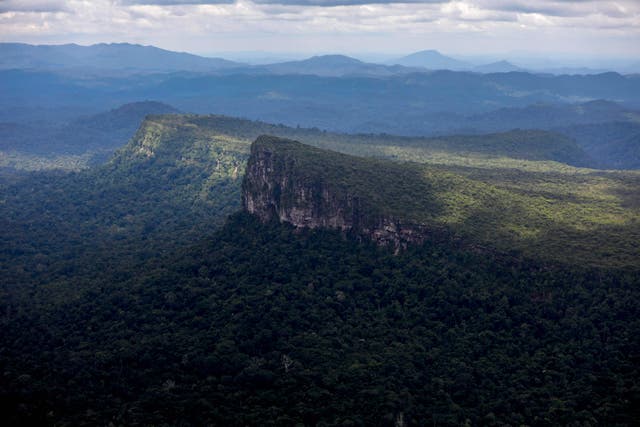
[(609, 28)]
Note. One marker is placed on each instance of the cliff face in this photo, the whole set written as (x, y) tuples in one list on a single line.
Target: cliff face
[(282, 184)]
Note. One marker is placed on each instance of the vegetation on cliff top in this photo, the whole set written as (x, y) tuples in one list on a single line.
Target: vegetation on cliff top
[(180, 176), (587, 218)]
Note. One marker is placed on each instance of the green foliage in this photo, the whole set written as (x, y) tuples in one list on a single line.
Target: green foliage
[(517, 144), (588, 218), (264, 325), (14, 160), (46, 144)]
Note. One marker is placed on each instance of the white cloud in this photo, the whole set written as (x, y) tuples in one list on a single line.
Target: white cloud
[(452, 25)]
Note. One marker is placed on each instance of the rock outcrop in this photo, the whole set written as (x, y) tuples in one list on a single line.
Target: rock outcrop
[(282, 183)]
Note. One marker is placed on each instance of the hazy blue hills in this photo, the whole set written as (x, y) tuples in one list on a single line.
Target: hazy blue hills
[(125, 58), (432, 59), (395, 104), (113, 56), (74, 143), (548, 116), (615, 145), (334, 66), (497, 67), (126, 117)]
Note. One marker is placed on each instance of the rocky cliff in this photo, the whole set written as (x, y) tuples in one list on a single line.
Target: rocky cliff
[(308, 187)]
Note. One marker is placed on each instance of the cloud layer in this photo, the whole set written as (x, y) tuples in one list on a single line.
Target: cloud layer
[(464, 26)]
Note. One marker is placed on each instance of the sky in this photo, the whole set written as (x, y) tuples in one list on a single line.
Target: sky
[(545, 28)]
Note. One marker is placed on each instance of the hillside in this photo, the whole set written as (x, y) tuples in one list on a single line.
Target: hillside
[(74, 144), (615, 145), (259, 324)]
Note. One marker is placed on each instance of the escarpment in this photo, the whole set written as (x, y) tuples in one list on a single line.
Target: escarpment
[(308, 187)]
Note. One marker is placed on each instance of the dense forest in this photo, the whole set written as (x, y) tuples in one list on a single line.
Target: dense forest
[(262, 325)]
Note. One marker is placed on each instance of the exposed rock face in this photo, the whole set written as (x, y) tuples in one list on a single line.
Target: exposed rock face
[(277, 187)]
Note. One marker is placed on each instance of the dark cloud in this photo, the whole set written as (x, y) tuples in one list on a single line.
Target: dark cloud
[(562, 8), (326, 3), (542, 9), (558, 8), (33, 6), (174, 2)]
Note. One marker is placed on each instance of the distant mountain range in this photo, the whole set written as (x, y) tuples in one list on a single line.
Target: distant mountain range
[(114, 56), (498, 67), (335, 66), (428, 103), (122, 58), (434, 60)]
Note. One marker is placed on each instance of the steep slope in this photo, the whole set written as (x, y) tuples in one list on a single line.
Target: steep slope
[(540, 215), (308, 187), (73, 144)]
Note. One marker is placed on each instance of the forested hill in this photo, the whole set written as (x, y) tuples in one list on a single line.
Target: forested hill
[(37, 144), (532, 145), (180, 177)]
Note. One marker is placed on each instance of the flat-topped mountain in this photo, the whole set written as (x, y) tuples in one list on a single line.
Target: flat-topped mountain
[(401, 203)]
